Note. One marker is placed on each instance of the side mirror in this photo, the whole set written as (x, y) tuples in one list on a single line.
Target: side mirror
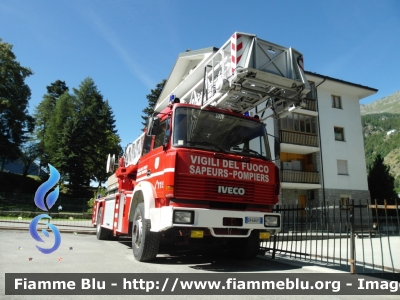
[(153, 126), (166, 137), (277, 148)]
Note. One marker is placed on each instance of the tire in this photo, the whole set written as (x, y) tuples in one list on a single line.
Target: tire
[(102, 233), (244, 248), (145, 243)]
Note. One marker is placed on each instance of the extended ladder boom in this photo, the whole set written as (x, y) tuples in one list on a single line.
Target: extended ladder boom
[(245, 72)]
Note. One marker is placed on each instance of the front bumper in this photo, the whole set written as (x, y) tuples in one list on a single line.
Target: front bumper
[(162, 219)]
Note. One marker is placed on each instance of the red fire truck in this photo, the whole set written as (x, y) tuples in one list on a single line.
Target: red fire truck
[(203, 171)]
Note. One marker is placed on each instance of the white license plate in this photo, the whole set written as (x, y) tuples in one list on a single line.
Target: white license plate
[(253, 220)]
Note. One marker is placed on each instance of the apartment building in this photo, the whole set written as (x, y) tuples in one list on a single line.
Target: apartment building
[(322, 149)]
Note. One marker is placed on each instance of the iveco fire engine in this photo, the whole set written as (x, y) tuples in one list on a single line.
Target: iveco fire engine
[(203, 169)]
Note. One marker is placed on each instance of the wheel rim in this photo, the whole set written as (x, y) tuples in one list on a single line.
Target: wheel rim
[(137, 232)]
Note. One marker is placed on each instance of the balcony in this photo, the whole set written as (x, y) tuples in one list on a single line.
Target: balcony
[(304, 139), (299, 179), (296, 142), (311, 104), (299, 176)]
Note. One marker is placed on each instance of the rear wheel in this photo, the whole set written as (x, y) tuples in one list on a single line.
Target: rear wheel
[(102, 233), (245, 248), (145, 243)]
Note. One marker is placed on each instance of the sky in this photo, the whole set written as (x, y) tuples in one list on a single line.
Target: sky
[(128, 46)]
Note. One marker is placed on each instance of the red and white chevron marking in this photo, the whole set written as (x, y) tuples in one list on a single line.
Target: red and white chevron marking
[(236, 50), (300, 62)]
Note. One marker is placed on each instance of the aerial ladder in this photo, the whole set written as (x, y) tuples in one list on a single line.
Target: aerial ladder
[(244, 73)]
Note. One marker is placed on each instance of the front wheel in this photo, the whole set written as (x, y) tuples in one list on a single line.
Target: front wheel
[(102, 233), (145, 243)]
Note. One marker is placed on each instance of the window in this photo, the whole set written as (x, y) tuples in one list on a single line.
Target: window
[(336, 102), (147, 144), (339, 134), (342, 167), (208, 130), (163, 134), (345, 200), (299, 123)]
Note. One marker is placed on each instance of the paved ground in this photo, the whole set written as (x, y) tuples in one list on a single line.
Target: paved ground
[(377, 251), (81, 253)]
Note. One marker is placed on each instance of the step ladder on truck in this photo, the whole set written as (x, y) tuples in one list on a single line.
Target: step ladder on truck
[(202, 172)]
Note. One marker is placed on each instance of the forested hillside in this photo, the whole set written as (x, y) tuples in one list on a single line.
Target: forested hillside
[(382, 136)]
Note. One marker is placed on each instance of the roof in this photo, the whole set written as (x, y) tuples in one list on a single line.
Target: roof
[(341, 81)]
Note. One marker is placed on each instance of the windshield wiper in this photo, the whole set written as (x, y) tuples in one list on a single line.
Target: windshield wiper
[(206, 143), (254, 152)]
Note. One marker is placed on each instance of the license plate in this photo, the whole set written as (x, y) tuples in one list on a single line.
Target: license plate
[(253, 220)]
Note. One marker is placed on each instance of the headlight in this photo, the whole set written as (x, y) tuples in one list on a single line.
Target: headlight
[(183, 217), (271, 221)]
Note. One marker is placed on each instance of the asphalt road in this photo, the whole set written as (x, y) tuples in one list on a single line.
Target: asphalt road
[(81, 253)]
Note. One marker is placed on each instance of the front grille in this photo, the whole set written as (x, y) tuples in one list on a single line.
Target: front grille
[(206, 188)]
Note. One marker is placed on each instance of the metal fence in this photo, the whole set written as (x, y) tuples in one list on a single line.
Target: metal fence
[(68, 214), (65, 222), (356, 234), (25, 202)]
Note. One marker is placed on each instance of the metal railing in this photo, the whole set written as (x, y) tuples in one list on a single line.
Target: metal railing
[(311, 104), (299, 176), (25, 202), (65, 222), (359, 235), (68, 214), (299, 138)]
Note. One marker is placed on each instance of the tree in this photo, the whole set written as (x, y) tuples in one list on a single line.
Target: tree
[(80, 140), (61, 113), (381, 182), (68, 159), (29, 154), (152, 99), (43, 113), (108, 143), (15, 122), (76, 132)]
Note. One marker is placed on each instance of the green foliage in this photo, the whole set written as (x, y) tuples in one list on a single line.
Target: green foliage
[(376, 140), (62, 112), (29, 153), (77, 133), (101, 192), (380, 182), (152, 99), (15, 122), (43, 113)]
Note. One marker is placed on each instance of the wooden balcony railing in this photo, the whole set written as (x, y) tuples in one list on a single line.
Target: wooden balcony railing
[(299, 176), (298, 138)]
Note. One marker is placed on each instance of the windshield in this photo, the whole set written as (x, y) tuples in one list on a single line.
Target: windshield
[(209, 130)]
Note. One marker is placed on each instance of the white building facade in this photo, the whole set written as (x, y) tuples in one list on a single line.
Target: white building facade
[(322, 148)]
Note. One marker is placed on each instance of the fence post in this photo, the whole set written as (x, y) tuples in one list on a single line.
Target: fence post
[(274, 247), (352, 241)]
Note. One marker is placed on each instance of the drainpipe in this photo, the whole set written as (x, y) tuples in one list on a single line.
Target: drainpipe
[(320, 147)]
